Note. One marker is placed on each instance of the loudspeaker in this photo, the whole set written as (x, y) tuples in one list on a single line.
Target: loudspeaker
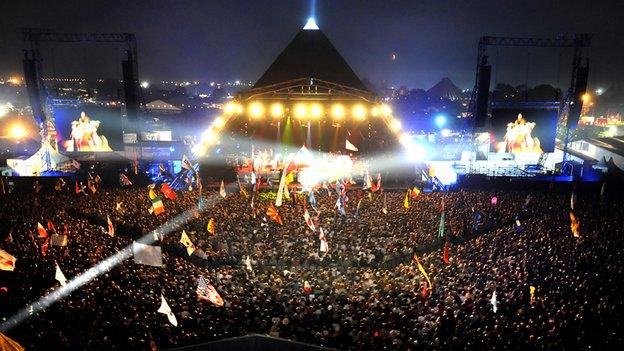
[(33, 87), (131, 88), (576, 105), (483, 95)]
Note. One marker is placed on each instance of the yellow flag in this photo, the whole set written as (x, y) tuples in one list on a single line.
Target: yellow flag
[(8, 344), (532, 293), (424, 273), (574, 225), (152, 194), (243, 191), (211, 226), (187, 243), (290, 177), (406, 200)]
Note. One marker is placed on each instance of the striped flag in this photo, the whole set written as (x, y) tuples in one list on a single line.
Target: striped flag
[(207, 292), (111, 228), (157, 206), (308, 219), (43, 233), (424, 273), (273, 214), (7, 261)]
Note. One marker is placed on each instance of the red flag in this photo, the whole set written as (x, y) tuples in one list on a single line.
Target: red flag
[(273, 214), (424, 292), (111, 227), (51, 226), (445, 256), (167, 191), (41, 230), (375, 187), (44, 247), (77, 188)]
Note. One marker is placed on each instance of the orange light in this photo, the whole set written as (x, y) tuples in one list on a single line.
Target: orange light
[(300, 111), (586, 98), (316, 111), (359, 112), (255, 110), (18, 131), (338, 111), (277, 110), (395, 125)]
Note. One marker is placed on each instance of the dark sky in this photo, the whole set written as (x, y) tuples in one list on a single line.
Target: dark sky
[(230, 39)]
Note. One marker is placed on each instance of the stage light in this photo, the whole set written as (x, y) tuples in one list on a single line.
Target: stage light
[(440, 121), (144, 85), (586, 98), (338, 111), (316, 111), (18, 131), (311, 24), (300, 110), (405, 139), (385, 110), (5, 108), (219, 122), (277, 110), (415, 152), (209, 137), (395, 125), (445, 132), (359, 112), (230, 108), (255, 110), (375, 111)]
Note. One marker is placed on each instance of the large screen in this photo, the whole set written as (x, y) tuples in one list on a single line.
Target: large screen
[(88, 128), (524, 130)]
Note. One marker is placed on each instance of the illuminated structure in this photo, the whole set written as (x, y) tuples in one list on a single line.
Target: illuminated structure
[(518, 138), (84, 136), (308, 95)]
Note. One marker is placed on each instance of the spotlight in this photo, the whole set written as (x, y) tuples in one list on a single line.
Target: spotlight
[(338, 111), (385, 110), (316, 111), (375, 111), (445, 132), (300, 110), (405, 139), (277, 110), (395, 125), (440, 121), (209, 137), (18, 131), (359, 112), (255, 110), (219, 122), (230, 108), (144, 85)]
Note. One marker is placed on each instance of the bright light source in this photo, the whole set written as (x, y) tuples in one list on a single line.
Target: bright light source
[(219, 122), (405, 139), (300, 110), (311, 24), (415, 152), (15, 80), (599, 91), (395, 125), (277, 110), (586, 98), (440, 121), (316, 111), (230, 108), (209, 137), (144, 85), (255, 110), (385, 110), (338, 111), (17, 131), (359, 112), (445, 132), (4, 109), (375, 111)]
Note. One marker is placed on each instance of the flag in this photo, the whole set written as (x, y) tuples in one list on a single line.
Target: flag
[(222, 190), (51, 226), (152, 195), (157, 206), (367, 181), (357, 209), (324, 247), (78, 189), (280, 189), (312, 199), (8, 344), (572, 200), (518, 226), (60, 276), (441, 226), (186, 163), (493, 302), (414, 192), (375, 187), (445, 255), (424, 273), (243, 191), (147, 254), (273, 214), (41, 230), (350, 146), (7, 261), (184, 239), (494, 200), (111, 228), (575, 225), (406, 200), (168, 192), (211, 226), (340, 205), (207, 292), (384, 209), (166, 310), (58, 240), (308, 219), (532, 293), (123, 180)]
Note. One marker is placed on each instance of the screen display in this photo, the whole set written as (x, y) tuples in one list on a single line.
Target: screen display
[(88, 128), (523, 130)]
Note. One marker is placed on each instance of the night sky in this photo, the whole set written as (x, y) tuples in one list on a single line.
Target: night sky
[(228, 39)]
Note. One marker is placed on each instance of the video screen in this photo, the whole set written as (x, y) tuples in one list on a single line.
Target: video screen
[(524, 130), (88, 128)]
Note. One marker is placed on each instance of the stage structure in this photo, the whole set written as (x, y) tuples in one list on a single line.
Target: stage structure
[(308, 96)]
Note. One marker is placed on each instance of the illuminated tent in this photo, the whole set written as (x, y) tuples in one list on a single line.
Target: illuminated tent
[(36, 164)]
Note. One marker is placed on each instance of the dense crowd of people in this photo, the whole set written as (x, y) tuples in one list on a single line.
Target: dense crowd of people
[(552, 290)]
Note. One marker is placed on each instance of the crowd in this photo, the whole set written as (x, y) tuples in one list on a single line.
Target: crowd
[(552, 290)]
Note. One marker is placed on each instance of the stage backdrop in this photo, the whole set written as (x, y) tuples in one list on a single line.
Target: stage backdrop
[(523, 130), (88, 128)]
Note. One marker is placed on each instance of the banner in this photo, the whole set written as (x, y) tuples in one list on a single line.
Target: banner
[(147, 254)]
